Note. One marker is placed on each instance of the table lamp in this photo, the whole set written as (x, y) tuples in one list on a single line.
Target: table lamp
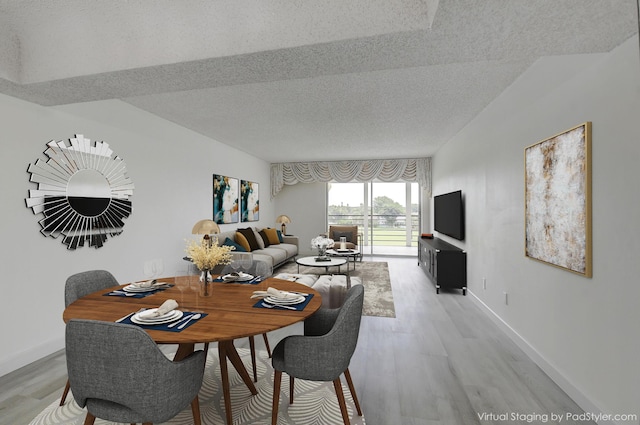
[(205, 227), (283, 220)]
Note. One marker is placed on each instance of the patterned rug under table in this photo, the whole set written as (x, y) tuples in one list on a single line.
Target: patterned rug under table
[(315, 402)]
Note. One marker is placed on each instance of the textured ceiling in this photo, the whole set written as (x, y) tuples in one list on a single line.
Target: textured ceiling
[(289, 80)]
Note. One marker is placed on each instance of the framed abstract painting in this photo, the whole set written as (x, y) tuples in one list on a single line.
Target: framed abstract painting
[(225, 199), (250, 201), (558, 200)]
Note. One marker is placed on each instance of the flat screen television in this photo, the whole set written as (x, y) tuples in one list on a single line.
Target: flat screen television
[(448, 214)]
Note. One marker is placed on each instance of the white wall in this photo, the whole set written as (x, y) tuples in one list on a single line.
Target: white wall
[(583, 332), (306, 205), (171, 169)]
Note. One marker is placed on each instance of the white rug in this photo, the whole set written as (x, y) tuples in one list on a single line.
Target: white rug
[(315, 402)]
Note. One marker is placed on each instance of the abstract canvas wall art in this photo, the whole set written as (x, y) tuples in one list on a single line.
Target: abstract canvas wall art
[(225, 199), (250, 201), (558, 200)]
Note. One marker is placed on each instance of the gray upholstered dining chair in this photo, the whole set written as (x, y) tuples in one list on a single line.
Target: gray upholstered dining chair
[(256, 268), (77, 286), (119, 374), (324, 351)]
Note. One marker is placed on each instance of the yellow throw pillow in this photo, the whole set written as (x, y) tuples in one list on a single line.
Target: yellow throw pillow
[(272, 235), (243, 241)]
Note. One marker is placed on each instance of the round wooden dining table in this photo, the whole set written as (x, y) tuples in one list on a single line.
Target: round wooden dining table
[(230, 314)]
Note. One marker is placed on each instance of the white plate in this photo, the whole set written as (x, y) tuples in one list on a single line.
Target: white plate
[(242, 278), (285, 301), (131, 288), (166, 318)]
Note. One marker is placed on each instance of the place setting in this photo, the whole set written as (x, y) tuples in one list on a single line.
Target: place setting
[(284, 300), (167, 317), (238, 277), (140, 289)]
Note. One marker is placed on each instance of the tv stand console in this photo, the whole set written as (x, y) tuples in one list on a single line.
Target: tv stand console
[(444, 264)]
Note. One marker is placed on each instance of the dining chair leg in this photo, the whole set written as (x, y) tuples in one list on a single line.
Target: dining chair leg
[(291, 384), (195, 409), (341, 401), (252, 349), (266, 344), (277, 378), (352, 389), (65, 392), (89, 419)]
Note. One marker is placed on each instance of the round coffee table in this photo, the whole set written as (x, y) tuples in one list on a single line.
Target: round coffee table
[(312, 262)]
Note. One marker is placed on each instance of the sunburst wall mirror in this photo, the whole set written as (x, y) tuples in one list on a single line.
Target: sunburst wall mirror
[(83, 192)]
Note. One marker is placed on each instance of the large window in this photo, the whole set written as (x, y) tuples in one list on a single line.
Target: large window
[(387, 214)]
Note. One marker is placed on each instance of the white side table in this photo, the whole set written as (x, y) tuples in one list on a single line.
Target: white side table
[(350, 253)]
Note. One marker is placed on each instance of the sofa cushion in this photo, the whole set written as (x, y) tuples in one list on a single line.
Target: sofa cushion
[(237, 246), (272, 235), (240, 239), (257, 256), (305, 279), (265, 238), (289, 248), (280, 236), (333, 289), (278, 255), (251, 238)]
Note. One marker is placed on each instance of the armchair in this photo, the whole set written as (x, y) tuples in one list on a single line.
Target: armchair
[(323, 353), (77, 286), (119, 374), (354, 238)]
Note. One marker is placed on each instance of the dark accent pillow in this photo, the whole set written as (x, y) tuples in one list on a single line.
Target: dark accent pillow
[(264, 237), (338, 235), (251, 238), (229, 242), (280, 236)]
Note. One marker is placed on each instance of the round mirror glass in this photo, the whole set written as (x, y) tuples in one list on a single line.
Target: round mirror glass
[(88, 193), (83, 192)]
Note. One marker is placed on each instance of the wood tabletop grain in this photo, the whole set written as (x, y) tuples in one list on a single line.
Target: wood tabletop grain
[(230, 309)]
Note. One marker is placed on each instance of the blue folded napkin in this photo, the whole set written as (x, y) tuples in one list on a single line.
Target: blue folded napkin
[(165, 326), (298, 307), (122, 293)]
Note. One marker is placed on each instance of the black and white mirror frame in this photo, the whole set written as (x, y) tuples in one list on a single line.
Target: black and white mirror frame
[(83, 192)]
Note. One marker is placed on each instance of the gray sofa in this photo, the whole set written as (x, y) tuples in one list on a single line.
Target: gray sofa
[(275, 254)]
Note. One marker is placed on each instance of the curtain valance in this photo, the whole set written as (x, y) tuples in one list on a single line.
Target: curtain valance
[(387, 170)]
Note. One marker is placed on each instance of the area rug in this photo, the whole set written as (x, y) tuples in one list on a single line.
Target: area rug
[(315, 402), (378, 297)]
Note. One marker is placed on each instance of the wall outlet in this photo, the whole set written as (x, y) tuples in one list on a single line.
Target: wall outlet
[(484, 283), (506, 298)]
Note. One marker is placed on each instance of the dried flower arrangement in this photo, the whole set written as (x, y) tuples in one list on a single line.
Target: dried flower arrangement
[(206, 255)]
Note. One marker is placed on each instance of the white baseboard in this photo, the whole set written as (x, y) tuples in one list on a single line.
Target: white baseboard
[(563, 382), (15, 361)]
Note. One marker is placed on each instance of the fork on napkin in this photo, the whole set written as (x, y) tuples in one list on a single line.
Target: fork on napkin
[(276, 293), (166, 307)]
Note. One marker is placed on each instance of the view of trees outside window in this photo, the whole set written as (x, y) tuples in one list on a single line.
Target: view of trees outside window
[(387, 214)]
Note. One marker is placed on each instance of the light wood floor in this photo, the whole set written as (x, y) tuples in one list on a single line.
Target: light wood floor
[(440, 361)]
